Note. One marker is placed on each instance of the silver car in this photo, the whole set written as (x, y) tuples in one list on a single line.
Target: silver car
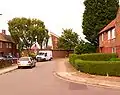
[(26, 62)]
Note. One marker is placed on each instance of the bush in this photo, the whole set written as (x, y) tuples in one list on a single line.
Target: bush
[(84, 47), (115, 59), (5, 63), (33, 55), (92, 57), (111, 68)]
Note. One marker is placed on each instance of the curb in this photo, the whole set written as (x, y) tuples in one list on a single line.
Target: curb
[(88, 81), (8, 69)]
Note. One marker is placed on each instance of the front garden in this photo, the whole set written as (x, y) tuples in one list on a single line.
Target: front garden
[(96, 63), (5, 63)]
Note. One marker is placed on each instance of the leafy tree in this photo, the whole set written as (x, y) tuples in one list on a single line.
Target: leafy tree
[(97, 14), (68, 40), (84, 47), (26, 31)]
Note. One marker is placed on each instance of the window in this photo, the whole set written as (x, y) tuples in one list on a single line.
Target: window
[(17, 46), (0, 44), (113, 33), (113, 50), (102, 36), (7, 45), (10, 45), (109, 35)]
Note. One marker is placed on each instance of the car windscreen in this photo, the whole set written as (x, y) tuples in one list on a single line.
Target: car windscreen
[(24, 59), (41, 53)]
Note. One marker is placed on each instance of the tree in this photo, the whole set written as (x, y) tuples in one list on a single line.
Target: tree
[(68, 40), (26, 31), (84, 47), (97, 14)]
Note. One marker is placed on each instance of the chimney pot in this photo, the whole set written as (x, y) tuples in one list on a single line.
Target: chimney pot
[(4, 32)]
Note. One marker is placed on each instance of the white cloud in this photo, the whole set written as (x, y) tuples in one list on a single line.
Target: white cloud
[(56, 14)]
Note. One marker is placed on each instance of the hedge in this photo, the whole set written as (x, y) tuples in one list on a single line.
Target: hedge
[(111, 68), (92, 57), (5, 63), (115, 59)]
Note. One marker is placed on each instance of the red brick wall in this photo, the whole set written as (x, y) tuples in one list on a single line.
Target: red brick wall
[(61, 53), (5, 50), (54, 41)]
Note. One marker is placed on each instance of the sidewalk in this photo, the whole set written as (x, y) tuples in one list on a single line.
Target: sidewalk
[(8, 69), (67, 72)]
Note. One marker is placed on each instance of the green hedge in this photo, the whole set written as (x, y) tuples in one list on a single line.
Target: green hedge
[(5, 63), (111, 68), (92, 57), (115, 59)]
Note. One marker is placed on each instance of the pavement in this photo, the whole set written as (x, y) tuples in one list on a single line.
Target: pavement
[(66, 72), (8, 69)]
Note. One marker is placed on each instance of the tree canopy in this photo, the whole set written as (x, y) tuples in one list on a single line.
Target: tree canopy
[(84, 47), (97, 14), (26, 31), (68, 40)]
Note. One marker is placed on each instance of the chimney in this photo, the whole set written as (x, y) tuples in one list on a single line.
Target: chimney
[(4, 32)]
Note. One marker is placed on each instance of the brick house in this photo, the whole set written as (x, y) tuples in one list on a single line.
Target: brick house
[(52, 43), (7, 45), (109, 37)]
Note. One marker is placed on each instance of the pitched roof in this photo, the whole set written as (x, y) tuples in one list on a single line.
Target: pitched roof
[(35, 46), (6, 38), (51, 33), (110, 25)]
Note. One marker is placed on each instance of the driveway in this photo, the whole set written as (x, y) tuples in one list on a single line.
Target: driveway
[(41, 81)]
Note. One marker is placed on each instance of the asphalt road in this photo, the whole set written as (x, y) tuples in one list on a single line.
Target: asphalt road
[(41, 81)]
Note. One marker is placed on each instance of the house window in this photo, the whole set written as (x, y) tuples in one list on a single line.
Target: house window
[(7, 45), (0, 44), (17, 46), (113, 33), (10, 45), (109, 35), (102, 37), (113, 50)]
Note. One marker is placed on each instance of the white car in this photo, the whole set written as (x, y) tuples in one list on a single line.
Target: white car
[(26, 62)]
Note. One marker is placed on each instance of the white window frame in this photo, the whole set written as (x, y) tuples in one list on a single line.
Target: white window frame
[(113, 49), (113, 33), (1, 44), (10, 45), (17, 46), (109, 35), (102, 36), (7, 45)]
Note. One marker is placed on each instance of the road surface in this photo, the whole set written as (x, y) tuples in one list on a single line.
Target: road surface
[(41, 81)]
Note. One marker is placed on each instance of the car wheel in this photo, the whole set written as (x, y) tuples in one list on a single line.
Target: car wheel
[(19, 67)]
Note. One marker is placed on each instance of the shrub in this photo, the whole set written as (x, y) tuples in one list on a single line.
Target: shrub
[(5, 63), (111, 68), (92, 57), (115, 59), (84, 47), (33, 55)]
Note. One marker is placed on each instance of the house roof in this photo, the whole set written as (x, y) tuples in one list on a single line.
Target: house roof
[(35, 46), (6, 38), (109, 26), (51, 33)]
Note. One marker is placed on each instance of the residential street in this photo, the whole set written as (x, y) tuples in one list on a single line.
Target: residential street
[(41, 81)]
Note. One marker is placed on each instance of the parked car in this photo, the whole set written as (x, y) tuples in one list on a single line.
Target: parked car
[(44, 55), (26, 62)]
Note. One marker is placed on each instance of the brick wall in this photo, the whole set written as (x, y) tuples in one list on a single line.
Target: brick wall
[(61, 53)]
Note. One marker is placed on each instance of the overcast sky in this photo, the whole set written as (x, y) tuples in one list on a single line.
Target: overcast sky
[(56, 14)]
